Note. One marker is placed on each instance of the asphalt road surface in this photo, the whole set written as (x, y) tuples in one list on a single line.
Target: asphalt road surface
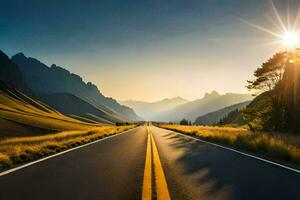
[(115, 168)]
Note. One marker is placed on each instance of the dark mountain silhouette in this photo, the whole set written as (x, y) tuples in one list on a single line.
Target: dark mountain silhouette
[(72, 105), (11, 74), (45, 80), (148, 110), (215, 117), (210, 102)]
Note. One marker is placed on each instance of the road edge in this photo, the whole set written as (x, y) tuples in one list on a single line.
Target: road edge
[(62, 152), (237, 151)]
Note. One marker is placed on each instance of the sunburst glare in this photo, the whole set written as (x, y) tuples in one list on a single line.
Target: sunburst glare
[(287, 34)]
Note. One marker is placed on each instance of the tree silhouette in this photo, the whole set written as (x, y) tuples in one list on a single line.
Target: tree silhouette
[(184, 122), (278, 80)]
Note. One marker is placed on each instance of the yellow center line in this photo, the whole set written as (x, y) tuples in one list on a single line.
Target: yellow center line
[(147, 183), (162, 192)]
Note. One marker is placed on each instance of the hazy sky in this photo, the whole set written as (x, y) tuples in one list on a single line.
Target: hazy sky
[(144, 50)]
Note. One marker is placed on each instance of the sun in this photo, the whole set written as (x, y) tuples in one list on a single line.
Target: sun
[(290, 39), (285, 31)]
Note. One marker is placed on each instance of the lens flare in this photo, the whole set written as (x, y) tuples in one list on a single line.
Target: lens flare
[(290, 39), (286, 35)]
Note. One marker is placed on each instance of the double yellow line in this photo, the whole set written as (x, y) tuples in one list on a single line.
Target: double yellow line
[(153, 169)]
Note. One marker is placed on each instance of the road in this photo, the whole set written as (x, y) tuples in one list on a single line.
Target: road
[(149, 162)]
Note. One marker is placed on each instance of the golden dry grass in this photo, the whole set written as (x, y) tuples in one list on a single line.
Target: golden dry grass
[(52, 122), (283, 147), (19, 150), (21, 115)]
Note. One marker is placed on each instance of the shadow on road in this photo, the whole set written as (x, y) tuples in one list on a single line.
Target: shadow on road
[(222, 174)]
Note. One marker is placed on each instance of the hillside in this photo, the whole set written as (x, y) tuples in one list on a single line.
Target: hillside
[(148, 110), (210, 102), (258, 104), (20, 115), (215, 117), (45, 80), (69, 104)]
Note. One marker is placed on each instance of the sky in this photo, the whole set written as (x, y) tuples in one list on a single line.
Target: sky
[(145, 50)]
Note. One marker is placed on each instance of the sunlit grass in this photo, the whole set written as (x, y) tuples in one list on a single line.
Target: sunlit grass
[(283, 147), (19, 150), (21, 115)]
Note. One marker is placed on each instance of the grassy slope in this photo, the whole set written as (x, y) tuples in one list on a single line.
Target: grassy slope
[(21, 115), (281, 147)]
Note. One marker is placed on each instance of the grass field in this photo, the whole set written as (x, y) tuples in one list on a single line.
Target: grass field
[(19, 150), (21, 115), (281, 147)]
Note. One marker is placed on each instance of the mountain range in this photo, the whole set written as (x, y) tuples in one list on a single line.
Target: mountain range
[(209, 103), (148, 110), (68, 95), (47, 81)]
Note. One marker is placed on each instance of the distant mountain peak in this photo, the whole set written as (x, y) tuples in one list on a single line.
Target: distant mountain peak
[(178, 98), (173, 99), (54, 66), (212, 94), (20, 54)]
